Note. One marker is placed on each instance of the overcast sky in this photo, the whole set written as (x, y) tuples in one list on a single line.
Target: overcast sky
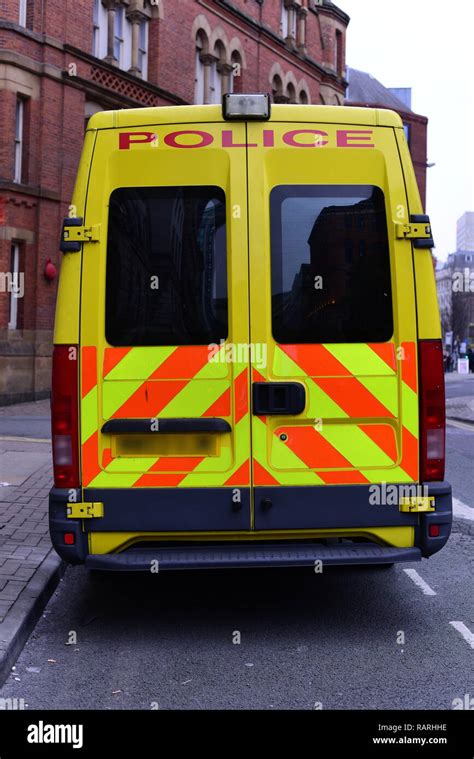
[(428, 46)]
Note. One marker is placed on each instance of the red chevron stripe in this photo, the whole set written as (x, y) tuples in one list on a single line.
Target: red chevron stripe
[(313, 449), (241, 477), (316, 360), (241, 397), (385, 351), (353, 397), (90, 459), (112, 357), (89, 369), (384, 436), (409, 365), (149, 399), (221, 407), (261, 476), (184, 363)]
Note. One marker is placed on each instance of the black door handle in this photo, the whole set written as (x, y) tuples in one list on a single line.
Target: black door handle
[(284, 398)]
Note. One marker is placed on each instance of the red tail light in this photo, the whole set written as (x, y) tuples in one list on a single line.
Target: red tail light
[(432, 410), (64, 416)]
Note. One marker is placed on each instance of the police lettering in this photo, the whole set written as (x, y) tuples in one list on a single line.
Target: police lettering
[(294, 138)]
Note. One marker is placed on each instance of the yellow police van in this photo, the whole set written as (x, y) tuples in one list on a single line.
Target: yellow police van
[(247, 365)]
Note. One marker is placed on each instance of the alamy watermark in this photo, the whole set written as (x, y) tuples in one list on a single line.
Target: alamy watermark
[(242, 353), (12, 282), (390, 495)]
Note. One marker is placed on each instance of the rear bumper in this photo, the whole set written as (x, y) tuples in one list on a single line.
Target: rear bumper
[(260, 555), (293, 508)]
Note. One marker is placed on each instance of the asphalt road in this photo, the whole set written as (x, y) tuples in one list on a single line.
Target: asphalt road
[(332, 638), (167, 639), (457, 388)]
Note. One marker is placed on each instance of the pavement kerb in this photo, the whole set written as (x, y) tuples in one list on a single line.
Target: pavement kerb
[(26, 611)]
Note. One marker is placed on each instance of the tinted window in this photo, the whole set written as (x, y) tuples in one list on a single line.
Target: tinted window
[(330, 265), (166, 266)]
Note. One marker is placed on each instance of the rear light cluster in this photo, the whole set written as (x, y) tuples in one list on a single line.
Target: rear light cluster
[(432, 410), (64, 416)]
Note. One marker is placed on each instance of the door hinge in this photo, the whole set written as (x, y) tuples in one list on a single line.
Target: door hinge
[(75, 233), (417, 503), (85, 510), (418, 230)]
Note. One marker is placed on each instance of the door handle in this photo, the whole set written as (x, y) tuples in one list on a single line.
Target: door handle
[(273, 398)]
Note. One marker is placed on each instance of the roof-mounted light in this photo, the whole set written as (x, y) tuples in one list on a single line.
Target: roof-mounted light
[(246, 107)]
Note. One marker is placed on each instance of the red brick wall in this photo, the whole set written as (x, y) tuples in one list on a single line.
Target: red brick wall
[(54, 128)]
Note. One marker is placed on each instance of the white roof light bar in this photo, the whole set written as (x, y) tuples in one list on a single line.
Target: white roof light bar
[(246, 107)]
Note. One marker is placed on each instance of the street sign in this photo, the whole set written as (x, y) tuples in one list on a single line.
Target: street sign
[(463, 366)]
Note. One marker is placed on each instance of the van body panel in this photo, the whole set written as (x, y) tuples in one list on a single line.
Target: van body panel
[(163, 381), (247, 315), (360, 423)]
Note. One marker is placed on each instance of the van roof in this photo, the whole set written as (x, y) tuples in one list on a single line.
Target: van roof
[(190, 114)]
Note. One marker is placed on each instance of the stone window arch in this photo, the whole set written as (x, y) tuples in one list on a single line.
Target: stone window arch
[(304, 98)]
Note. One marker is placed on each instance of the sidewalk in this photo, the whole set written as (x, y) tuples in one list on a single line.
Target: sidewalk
[(460, 409), (29, 568)]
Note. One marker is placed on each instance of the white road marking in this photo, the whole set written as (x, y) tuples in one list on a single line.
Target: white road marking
[(465, 632), (461, 509), (18, 439), (460, 425), (413, 574)]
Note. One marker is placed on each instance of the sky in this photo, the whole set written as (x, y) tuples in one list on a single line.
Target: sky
[(427, 46)]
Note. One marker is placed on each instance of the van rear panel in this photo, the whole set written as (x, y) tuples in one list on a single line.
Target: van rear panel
[(248, 353)]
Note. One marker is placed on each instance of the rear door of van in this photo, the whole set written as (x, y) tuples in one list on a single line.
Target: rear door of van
[(165, 420), (332, 298)]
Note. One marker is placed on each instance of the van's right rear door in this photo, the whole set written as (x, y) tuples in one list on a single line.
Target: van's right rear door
[(332, 298)]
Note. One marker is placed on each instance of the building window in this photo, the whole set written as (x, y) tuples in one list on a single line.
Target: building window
[(304, 99), (143, 49), (19, 138), (406, 129), (16, 289), (118, 35), (288, 21), (338, 59), (277, 90), (96, 29), (22, 12), (201, 82), (291, 93)]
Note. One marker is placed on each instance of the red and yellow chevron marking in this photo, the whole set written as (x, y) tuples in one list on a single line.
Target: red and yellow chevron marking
[(369, 414), (166, 382)]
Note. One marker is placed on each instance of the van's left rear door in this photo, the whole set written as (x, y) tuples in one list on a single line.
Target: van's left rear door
[(164, 411)]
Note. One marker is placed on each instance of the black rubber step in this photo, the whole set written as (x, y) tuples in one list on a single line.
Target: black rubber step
[(249, 555)]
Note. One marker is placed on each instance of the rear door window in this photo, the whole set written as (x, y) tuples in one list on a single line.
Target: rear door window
[(330, 265), (166, 266)]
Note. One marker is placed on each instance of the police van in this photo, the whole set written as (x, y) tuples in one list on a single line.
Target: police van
[(247, 365)]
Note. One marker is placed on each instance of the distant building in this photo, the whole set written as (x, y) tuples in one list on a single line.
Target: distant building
[(465, 232), (455, 289), (365, 90)]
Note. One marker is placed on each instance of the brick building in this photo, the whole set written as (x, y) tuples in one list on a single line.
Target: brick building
[(63, 60), (365, 90)]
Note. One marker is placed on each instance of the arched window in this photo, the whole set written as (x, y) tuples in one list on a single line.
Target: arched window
[(218, 79), (304, 99), (277, 90), (237, 74), (291, 92), (200, 74)]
